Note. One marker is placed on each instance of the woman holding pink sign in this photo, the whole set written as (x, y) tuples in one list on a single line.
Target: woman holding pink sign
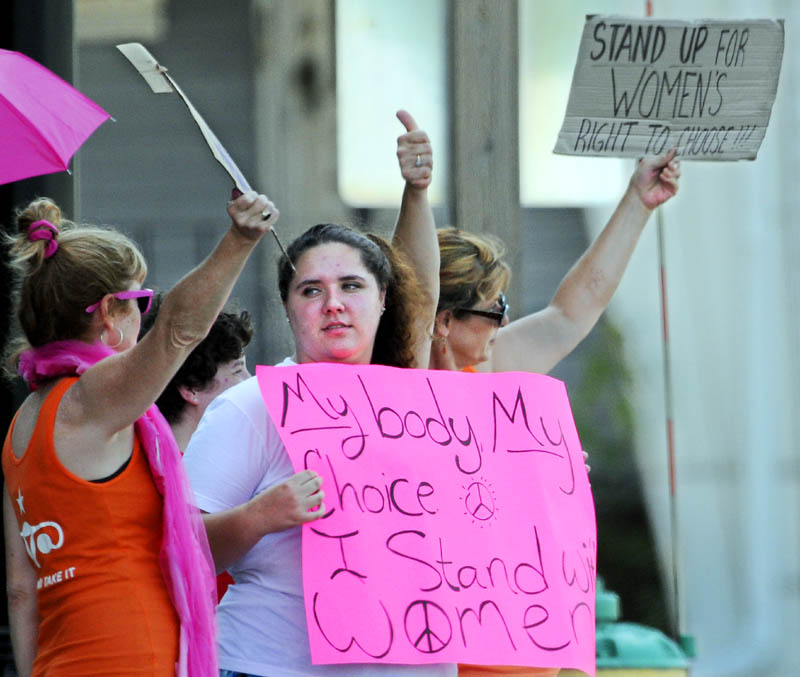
[(349, 298), (107, 567)]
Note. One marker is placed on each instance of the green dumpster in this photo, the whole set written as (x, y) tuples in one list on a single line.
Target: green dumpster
[(633, 650)]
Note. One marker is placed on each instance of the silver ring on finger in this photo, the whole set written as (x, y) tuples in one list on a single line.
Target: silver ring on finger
[(418, 161), (266, 214)]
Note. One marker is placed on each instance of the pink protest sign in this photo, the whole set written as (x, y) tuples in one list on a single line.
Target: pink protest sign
[(460, 522)]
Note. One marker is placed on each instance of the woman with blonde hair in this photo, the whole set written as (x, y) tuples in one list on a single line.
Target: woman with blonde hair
[(473, 332), (107, 568), (472, 329)]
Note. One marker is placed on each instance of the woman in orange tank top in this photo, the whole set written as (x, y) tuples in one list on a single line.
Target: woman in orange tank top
[(107, 569)]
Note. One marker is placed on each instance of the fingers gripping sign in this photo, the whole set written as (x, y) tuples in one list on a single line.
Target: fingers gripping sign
[(252, 215), (414, 153), (295, 501), (307, 486), (656, 179)]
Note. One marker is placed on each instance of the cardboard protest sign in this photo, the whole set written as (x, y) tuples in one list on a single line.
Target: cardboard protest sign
[(460, 523), (643, 86)]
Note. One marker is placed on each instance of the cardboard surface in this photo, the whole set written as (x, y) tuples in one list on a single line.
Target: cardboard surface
[(643, 86)]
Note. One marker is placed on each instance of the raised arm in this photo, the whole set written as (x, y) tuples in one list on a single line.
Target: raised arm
[(23, 612), (132, 379), (539, 341), (415, 231)]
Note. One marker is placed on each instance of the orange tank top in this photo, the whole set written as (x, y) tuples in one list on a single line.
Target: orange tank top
[(103, 603)]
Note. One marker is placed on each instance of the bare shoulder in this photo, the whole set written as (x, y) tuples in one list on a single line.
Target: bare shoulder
[(83, 447), (25, 423)]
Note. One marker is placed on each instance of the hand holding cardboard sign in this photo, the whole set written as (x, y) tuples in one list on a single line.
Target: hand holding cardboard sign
[(252, 215), (656, 179)]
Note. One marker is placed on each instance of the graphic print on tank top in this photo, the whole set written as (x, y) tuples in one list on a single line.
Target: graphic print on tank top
[(40, 538)]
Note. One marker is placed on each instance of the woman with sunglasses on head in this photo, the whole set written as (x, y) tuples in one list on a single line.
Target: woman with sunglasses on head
[(349, 298), (107, 568), (473, 332)]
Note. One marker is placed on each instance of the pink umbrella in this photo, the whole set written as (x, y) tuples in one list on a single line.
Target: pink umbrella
[(43, 119)]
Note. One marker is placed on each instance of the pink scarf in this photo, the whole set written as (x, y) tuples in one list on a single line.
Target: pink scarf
[(185, 556)]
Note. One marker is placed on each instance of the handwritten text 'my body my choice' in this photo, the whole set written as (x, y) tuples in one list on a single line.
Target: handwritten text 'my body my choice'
[(416, 423)]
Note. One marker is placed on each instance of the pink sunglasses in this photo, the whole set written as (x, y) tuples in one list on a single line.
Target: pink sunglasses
[(144, 299)]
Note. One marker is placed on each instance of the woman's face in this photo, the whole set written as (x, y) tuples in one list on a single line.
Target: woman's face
[(470, 338), (333, 305)]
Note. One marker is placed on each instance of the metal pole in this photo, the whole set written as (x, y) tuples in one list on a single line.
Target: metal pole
[(670, 427), (678, 621)]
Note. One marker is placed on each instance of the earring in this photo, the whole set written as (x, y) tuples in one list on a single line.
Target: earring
[(118, 343), (383, 310)]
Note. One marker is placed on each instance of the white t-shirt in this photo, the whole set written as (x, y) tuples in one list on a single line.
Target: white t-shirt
[(234, 454)]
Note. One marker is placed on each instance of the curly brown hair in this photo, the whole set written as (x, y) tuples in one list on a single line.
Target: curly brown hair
[(226, 340)]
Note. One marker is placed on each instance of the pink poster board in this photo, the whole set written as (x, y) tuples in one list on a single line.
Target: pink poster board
[(460, 522)]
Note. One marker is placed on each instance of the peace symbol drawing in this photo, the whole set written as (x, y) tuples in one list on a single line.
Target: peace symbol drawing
[(480, 503), (427, 626)]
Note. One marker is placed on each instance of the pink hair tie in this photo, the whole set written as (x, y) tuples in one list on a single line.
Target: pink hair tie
[(44, 230)]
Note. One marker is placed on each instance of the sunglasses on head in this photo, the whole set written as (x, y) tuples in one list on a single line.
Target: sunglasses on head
[(496, 315), (144, 299)]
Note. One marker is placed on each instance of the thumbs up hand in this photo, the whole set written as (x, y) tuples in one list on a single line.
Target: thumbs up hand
[(414, 153)]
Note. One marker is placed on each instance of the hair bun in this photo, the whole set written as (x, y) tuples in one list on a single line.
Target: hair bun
[(40, 209)]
